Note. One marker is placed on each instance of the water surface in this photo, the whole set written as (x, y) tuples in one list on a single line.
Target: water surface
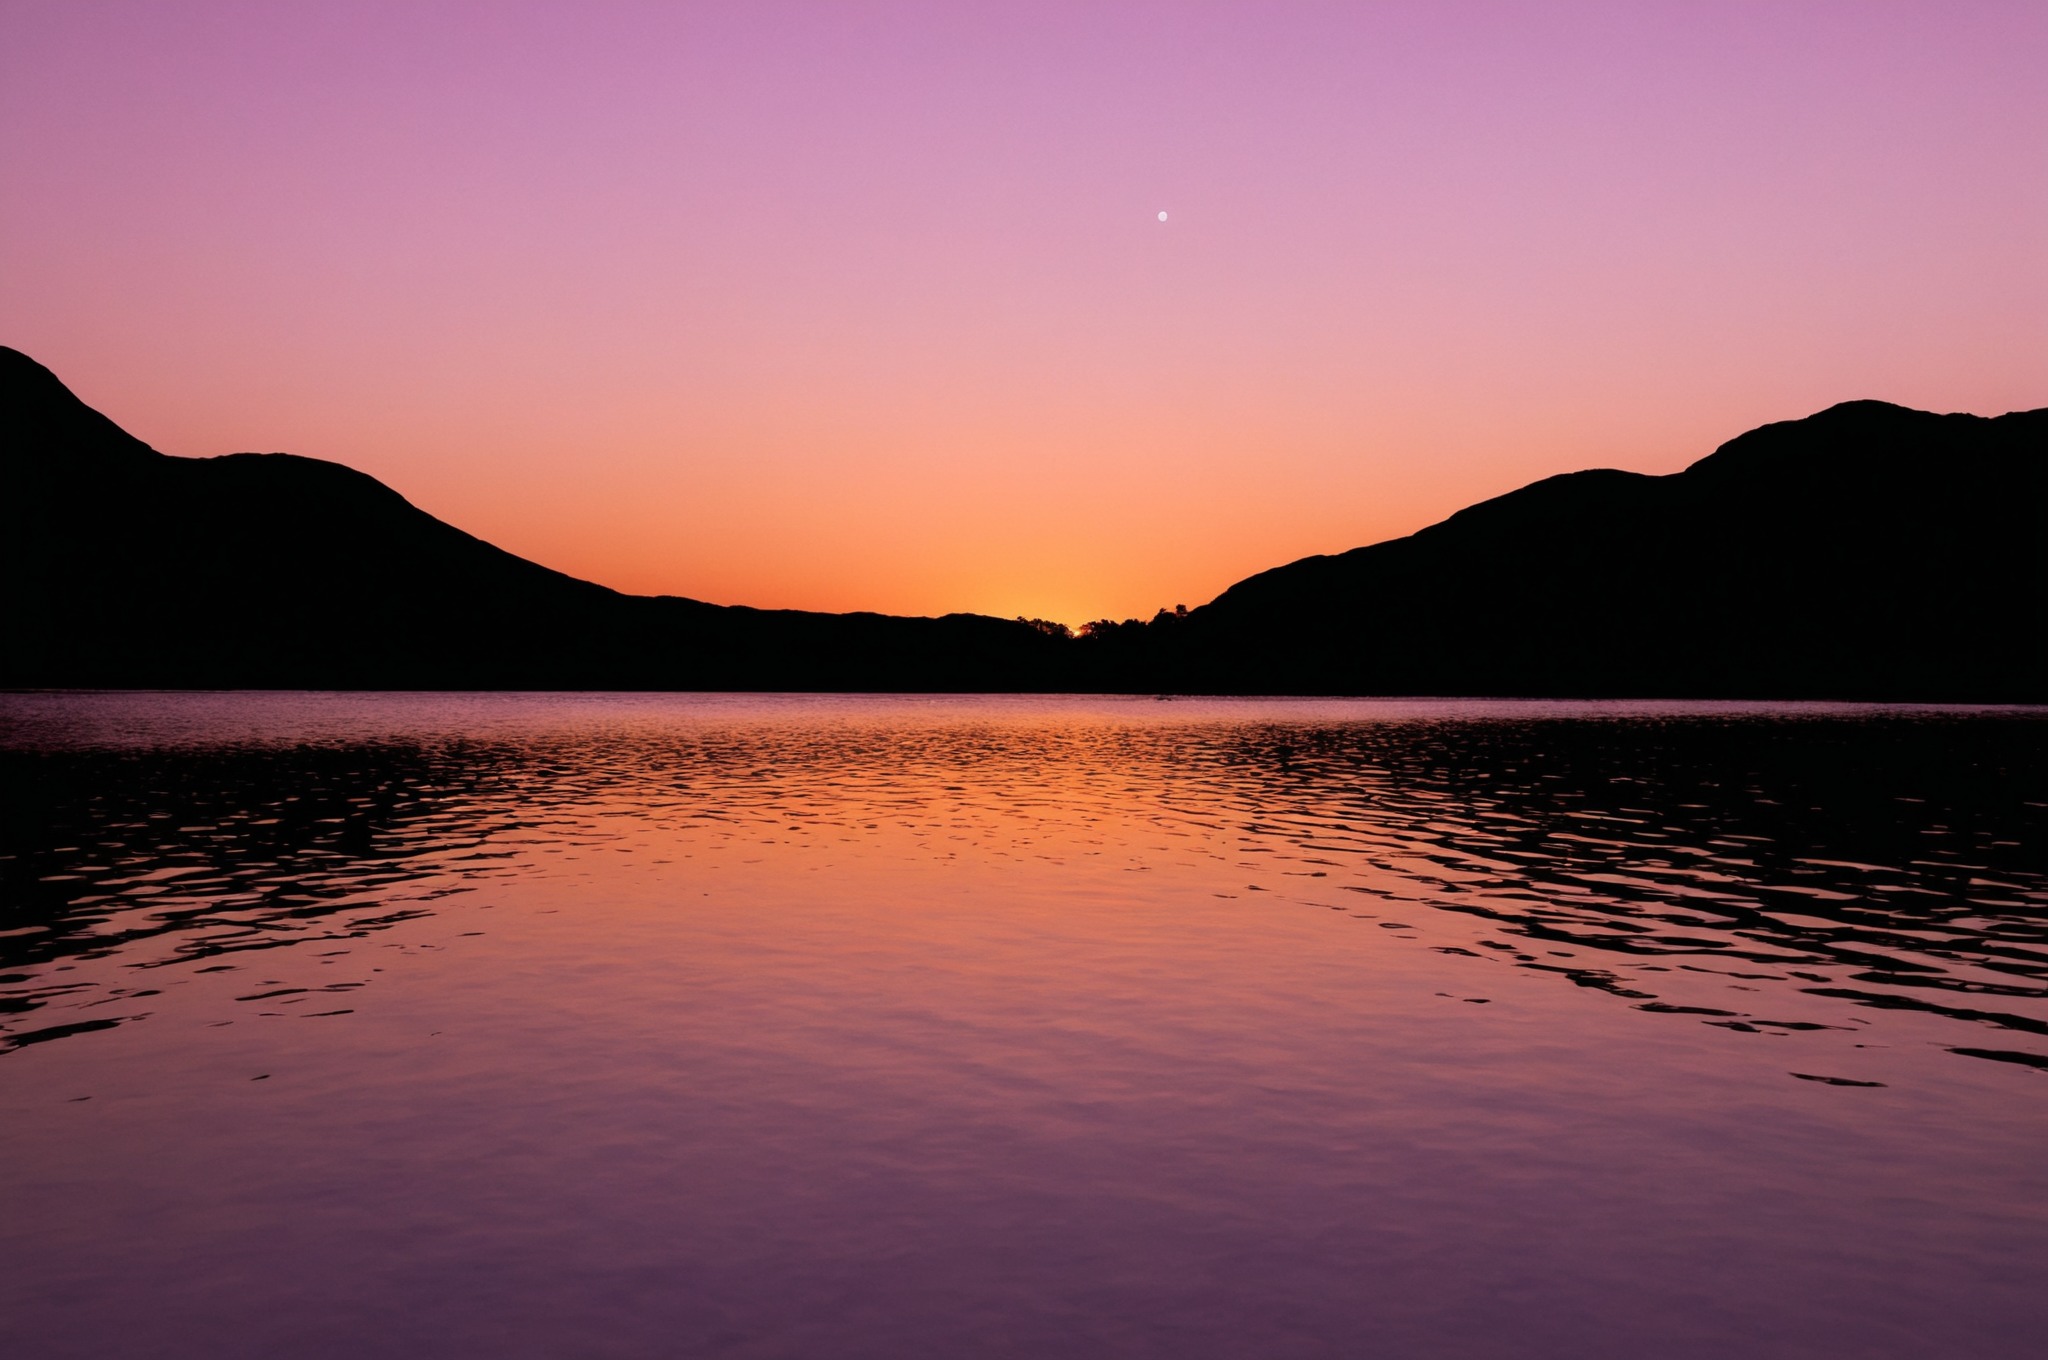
[(786, 1025)]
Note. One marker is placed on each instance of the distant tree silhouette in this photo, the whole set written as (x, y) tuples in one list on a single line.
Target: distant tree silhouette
[(1047, 627), (1131, 634), (1132, 631), (1105, 631)]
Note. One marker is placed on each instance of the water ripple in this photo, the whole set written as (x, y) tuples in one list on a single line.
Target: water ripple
[(1735, 865)]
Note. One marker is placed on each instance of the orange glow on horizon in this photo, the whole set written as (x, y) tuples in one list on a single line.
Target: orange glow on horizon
[(869, 310)]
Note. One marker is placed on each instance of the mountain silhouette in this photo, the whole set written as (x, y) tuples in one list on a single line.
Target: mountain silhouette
[(122, 566), (1869, 551)]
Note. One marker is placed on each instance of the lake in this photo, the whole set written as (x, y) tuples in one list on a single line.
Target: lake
[(850, 1026)]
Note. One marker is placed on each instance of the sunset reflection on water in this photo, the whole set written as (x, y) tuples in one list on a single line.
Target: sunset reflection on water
[(765, 1025)]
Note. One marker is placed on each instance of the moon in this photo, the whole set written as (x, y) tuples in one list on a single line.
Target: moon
[(1162, 217)]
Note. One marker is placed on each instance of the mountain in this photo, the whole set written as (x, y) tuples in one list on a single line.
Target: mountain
[(1869, 551), (121, 566)]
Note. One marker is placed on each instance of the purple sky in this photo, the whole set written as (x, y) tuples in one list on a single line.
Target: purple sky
[(845, 305)]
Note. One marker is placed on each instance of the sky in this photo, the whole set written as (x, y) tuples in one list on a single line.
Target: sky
[(870, 306)]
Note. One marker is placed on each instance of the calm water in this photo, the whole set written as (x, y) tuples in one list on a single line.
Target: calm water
[(819, 1026)]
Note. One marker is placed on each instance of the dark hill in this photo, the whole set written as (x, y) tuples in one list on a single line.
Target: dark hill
[(1866, 552), (1869, 551), (121, 566)]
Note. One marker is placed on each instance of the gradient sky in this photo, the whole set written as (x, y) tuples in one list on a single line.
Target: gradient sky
[(855, 305)]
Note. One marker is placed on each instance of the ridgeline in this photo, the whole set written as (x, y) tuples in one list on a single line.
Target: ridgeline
[(1867, 552)]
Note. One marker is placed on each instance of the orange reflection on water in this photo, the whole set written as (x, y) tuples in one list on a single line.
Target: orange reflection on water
[(694, 1024)]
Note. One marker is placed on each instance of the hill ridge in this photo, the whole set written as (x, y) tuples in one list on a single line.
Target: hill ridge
[(1866, 551)]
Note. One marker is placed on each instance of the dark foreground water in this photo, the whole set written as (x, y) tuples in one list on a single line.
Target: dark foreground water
[(557, 1026)]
